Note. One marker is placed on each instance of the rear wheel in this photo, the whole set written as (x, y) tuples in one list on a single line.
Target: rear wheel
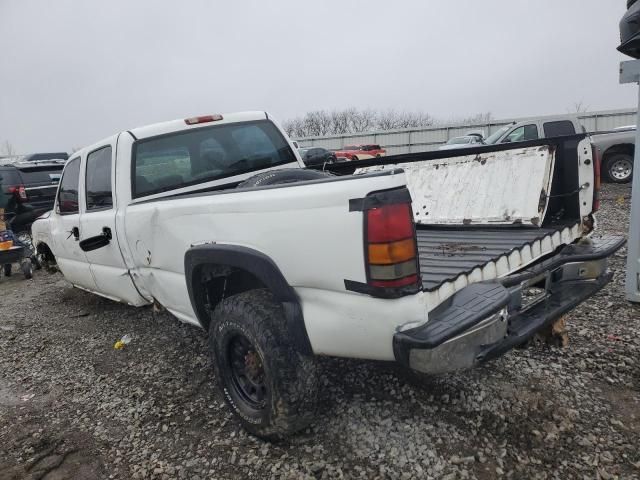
[(268, 384), (7, 270), (354, 157), (27, 269), (618, 168)]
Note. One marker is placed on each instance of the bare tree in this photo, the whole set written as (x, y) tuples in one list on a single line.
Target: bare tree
[(388, 120), (362, 120), (477, 119), (578, 107), (352, 120), (7, 149), (339, 121)]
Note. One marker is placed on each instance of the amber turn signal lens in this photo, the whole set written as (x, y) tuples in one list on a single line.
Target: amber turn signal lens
[(394, 252)]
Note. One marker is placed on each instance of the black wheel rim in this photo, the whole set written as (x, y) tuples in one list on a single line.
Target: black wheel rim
[(247, 371)]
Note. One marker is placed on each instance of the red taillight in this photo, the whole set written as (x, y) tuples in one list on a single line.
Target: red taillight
[(18, 191), (391, 248), (202, 119), (597, 162), (403, 282), (389, 223)]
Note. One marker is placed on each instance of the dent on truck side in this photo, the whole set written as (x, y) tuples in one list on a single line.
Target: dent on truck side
[(210, 268)]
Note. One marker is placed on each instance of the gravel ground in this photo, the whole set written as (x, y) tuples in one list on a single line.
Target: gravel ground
[(73, 407)]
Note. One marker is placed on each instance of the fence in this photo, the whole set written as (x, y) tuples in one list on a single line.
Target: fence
[(429, 138)]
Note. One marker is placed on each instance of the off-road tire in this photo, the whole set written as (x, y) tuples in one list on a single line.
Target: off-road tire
[(7, 270), (290, 378), (284, 175), (27, 269), (611, 161)]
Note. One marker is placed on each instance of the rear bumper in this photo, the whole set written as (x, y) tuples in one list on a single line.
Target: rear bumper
[(487, 319)]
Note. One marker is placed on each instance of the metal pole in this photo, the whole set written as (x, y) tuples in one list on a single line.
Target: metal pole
[(630, 73)]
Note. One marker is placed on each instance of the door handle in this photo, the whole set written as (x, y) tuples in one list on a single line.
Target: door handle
[(99, 241)]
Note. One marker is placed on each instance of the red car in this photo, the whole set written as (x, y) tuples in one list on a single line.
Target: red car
[(360, 152)]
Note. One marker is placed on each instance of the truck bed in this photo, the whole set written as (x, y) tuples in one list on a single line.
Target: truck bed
[(451, 258)]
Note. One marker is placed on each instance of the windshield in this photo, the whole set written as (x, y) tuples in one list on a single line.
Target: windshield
[(493, 138), (459, 141)]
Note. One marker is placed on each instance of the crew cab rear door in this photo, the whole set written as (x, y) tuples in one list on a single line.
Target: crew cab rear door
[(98, 225)]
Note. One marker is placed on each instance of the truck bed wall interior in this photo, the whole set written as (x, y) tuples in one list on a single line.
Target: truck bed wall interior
[(564, 205), (563, 202)]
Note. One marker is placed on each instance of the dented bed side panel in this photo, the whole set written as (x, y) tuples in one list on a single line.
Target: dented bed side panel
[(484, 188)]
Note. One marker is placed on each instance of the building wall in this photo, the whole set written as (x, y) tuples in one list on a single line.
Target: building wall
[(429, 138)]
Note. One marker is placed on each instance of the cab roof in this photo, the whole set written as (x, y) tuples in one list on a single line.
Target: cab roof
[(180, 124)]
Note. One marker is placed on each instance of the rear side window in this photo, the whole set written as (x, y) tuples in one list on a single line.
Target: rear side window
[(41, 176), (9, 177), (197, 156), (98, 182), (68, 190), (558, 129)]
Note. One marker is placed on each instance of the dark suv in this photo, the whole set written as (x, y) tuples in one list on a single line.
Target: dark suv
[(32, 188), (316, 156)]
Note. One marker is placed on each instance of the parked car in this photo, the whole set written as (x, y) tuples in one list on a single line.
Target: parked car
[(617, 148), (32, 188), (360, 152), (462, 142), (429, 264), (316, 156), (46, 156)]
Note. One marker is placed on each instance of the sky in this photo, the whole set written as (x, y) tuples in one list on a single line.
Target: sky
[(73, 72)]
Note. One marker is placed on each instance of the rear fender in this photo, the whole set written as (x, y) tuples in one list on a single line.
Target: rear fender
[(258, 265)]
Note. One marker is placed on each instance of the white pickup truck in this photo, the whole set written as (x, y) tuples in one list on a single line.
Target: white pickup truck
[(438, 261), (617, 147)]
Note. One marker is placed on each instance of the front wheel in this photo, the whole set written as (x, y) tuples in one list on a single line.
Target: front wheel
[(268, 384), (618, 168)]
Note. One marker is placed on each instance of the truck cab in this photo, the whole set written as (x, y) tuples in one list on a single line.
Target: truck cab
[(533, 129)]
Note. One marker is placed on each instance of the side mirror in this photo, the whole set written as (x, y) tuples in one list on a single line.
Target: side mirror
[(99, 241), (506, 140)]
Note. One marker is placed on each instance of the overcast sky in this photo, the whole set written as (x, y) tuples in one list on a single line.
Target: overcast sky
[(72, 72)]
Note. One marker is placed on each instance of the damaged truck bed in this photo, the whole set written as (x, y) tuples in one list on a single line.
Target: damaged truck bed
[(450, 259), (479, 218)]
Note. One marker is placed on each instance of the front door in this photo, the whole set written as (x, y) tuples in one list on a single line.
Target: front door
[(65, 229), (98, 217)]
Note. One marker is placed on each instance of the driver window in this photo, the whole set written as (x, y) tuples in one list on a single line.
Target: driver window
[(68, 190), (522, 134)]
